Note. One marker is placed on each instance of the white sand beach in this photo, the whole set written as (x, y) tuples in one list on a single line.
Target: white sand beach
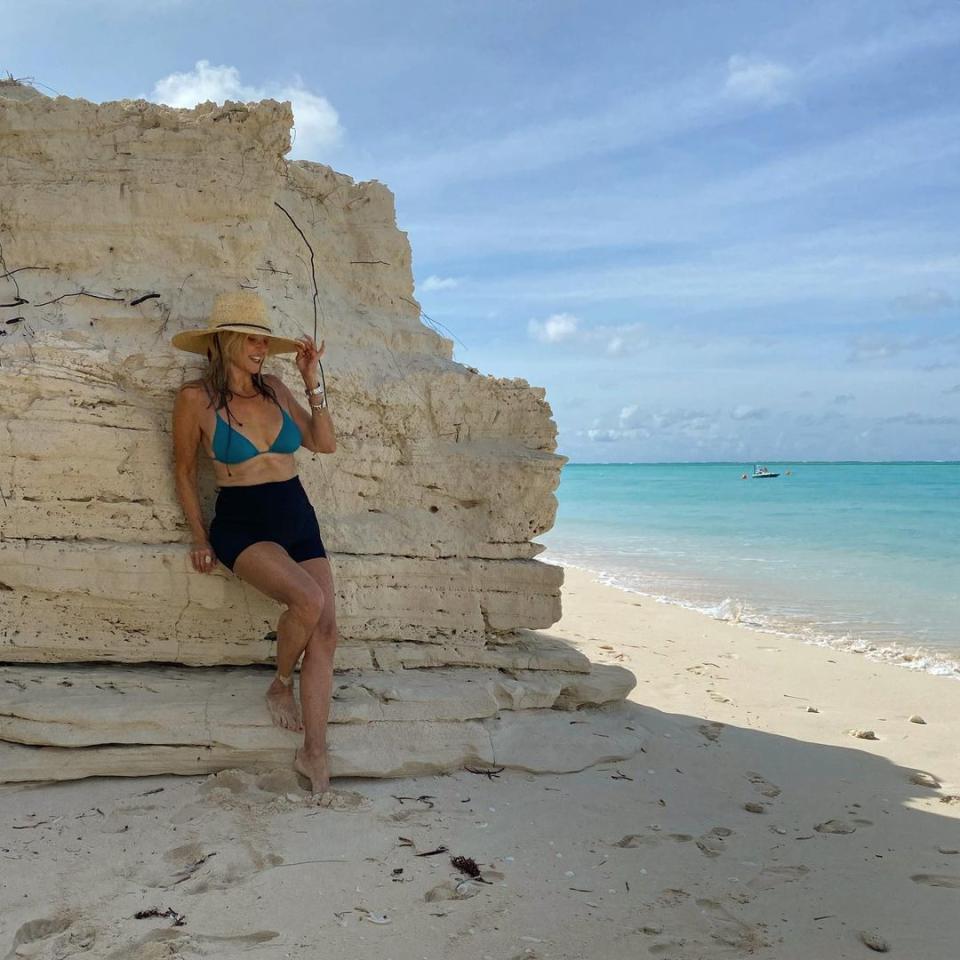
[(752, 824)]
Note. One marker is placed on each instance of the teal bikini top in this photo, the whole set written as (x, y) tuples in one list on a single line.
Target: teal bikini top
[(231, 446)]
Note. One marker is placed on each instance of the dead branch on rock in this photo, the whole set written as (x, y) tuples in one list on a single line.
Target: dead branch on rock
[(10, 273), (490, 774), (79, 293), (313, 270), (434, 324), (146, 296)]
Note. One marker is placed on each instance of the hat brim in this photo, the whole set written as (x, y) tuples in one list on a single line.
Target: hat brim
[(198, 341)]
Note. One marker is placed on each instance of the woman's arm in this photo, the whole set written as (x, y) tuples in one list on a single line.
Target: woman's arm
[(186, 441), (315, 424)]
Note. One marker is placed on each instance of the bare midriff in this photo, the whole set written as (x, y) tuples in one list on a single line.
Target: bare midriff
[(264, 468)]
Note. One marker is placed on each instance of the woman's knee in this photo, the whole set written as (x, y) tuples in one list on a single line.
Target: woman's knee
[(324, 636), (307, 606)]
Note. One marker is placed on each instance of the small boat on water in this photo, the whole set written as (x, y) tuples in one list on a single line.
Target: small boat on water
[(762, 473)]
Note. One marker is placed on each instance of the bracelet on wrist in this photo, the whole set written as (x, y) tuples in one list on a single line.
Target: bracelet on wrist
[(314, 391)]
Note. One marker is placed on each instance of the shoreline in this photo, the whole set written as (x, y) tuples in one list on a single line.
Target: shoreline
[(751, 824), (903, 653)]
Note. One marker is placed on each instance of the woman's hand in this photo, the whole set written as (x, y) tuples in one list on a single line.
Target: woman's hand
[(307, 356), (202, 557)]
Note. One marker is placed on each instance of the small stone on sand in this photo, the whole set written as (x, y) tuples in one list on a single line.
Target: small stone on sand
[(922, 779), (864, 735), (812, 710), (754, 808), (916, 718), (874, 941)]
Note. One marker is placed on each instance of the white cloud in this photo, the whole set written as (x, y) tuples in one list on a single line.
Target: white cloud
[(745, 412), (204, 82), (438, 283), (635, 422), (757, 80), (316, 123), (925, 301), (560, 326), (608, 436)]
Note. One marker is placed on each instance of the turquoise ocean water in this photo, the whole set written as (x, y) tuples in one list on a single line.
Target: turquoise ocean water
[(861, 556)]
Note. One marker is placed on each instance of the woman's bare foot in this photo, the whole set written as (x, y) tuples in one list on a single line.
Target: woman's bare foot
[(283, 706), (314, 768)]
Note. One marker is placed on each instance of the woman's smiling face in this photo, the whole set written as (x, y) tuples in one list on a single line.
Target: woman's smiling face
[(255, 351), (246, 351)]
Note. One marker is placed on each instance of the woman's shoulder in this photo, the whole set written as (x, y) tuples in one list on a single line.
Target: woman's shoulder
[(280, 389), (194, 393), (193, 386)]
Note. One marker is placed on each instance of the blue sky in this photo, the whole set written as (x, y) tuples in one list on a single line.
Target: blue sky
[(710, 230)]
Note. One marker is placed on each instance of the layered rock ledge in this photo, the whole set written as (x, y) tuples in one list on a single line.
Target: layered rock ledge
[(66, 722)]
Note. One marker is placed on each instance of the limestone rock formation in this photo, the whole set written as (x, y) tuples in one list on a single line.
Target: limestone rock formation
[(119, 223)]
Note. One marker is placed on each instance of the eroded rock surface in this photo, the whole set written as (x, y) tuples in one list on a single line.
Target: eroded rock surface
[(119, 223)]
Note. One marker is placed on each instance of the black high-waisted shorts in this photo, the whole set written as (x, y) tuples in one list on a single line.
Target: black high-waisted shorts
[(278, 512)]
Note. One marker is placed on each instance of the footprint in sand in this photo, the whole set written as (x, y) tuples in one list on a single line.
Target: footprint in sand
[(718, 697), (170, 943), (193, 868), (35, 930), (669, 947), (763, 786), (341, 800), (712, 844), (937, 880), (637, 840), (241, 789), (770, 877), (711, 730), (835, 826), (279, 781), (672, 897), (236, 782), (409, 813), (731, 931)]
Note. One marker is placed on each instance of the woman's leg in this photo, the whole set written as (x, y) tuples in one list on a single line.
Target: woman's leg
[(316, 680), (269, 568)]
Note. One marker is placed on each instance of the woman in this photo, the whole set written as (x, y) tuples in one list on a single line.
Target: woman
[(265, 529)]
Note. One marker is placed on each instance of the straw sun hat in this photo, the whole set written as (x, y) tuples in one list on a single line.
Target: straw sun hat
[(244, 312)]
